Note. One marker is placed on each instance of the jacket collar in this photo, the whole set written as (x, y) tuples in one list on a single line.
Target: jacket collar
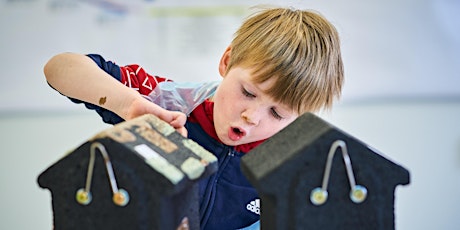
[(203, 115)]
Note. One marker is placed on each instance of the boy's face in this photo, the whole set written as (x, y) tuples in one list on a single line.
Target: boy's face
[(243, 113)]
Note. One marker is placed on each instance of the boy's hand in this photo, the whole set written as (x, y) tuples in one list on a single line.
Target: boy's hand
[(176, 120), (142, 106)]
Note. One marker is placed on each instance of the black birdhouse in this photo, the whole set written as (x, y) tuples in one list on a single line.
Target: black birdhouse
[(311, 175), (139, 174)]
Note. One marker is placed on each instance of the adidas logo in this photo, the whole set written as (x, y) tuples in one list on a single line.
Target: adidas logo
[(254, 206)]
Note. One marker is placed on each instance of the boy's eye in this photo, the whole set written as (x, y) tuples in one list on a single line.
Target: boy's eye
[(246, 93), (275, 114)]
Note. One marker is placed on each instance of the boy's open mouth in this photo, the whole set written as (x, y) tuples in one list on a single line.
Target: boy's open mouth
[(235, 133)]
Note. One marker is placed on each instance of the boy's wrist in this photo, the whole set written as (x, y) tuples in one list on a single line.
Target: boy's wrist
[(129, 107), (136, 105)]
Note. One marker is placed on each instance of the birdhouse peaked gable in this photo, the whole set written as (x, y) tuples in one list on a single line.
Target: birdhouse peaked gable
[(288, 167)]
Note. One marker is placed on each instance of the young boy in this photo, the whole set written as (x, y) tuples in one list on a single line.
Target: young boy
[(280, 64)]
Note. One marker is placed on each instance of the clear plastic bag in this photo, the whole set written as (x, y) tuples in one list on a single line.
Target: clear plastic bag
[(184, 97)]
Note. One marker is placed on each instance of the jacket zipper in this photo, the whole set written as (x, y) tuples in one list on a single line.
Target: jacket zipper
[(211, 192)]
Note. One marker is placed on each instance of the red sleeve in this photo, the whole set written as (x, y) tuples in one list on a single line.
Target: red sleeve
[(136, 78)]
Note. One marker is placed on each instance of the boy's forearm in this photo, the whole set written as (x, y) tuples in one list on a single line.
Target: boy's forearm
[(77, 76)]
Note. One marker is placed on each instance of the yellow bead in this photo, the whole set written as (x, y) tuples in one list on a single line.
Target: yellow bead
[(83, 197), (121, 198), (358, 194), (318, 196)]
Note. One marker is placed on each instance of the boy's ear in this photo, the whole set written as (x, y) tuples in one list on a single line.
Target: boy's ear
[(223, 64)]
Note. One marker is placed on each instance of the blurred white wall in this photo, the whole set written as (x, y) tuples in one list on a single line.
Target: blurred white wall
[(401, 94), (391, 49)]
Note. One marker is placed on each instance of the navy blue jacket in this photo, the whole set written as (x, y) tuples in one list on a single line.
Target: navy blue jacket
[(227, 200)]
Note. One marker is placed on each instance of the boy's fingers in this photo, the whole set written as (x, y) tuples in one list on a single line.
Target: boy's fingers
[(179, 119), (178, 123), (176, 120), (183, 131)]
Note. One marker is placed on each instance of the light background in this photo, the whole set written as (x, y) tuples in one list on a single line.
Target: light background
[(401, 94)]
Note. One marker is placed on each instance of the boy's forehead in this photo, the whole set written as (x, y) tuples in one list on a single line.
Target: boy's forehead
[(260, 87), (264, 88), (250, 78)]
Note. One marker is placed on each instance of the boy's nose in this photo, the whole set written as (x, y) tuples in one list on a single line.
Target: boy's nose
[(250, 118)]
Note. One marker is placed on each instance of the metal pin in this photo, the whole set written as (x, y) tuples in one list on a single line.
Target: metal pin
[(358, 193), (83, 196)]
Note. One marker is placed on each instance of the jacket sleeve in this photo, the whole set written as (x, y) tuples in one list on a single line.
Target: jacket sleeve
[(132, 76)]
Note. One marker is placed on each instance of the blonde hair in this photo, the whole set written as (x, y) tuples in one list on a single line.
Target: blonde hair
[(299, 48)]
